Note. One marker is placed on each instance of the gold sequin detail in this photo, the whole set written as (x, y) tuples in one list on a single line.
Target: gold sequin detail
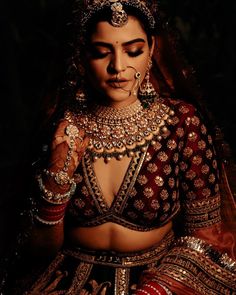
[(148, 192), (159, 181), (142, 179), (152, 167)]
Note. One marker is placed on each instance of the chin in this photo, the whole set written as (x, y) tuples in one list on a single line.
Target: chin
[(117, 96)]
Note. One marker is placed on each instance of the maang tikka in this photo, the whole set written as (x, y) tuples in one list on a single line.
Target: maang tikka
[(146, 90)]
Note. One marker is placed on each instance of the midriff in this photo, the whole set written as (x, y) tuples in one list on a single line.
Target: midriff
[(115, 237)]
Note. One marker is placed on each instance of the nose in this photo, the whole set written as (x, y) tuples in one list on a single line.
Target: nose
[(117, 63)]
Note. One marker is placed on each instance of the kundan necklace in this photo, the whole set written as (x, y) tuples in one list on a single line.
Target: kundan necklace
[(119, 132)]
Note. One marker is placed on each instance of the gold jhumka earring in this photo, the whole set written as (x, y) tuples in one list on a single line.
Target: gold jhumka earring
[(147, 90)]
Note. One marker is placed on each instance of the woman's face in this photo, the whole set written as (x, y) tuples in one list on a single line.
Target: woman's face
[(114, 56)]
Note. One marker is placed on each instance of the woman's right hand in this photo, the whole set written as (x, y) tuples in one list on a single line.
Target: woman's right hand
[(67, 148)]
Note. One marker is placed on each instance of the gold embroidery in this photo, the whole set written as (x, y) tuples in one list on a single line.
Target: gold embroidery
[(192, 136), (155, 204), (159, 181), (180, 132), (167, 169), (162, 156), (152, 167), (197, 160), (188, 152), (164, 194), (142, 179), (138, 204), (171, 144), (183, 109), (195, 121), (148, 192)]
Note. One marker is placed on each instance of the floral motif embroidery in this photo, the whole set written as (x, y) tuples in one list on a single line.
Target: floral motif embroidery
[(175, 121), (159, 181), (206, 192), (198, 183), (171, 144), (164, 194), (205, 169), (78, 178), (84, 191), (167, 169), (210, 139), (191, 195), (148, 192), (212, 178), (79, 203), (180, 132), (188, 121), (142, 179), (138, 204), (171, 182), (209, 154), (149, 215), (201, 145), (183, 166), (183, 109), (152, 167), (174, 195), (176, 170), (88, 213), (192, 136), (148, 157), (157, 146), (190, 174), (166, 207), (155, 204), (162, 156), (188, 152), (197, 160), (176, 157), (195, 121), (133, 192)]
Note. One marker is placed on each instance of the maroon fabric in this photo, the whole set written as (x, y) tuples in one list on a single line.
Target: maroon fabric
[(180, 167)]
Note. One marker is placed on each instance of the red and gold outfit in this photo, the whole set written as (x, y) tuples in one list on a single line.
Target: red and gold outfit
[(174, 179)]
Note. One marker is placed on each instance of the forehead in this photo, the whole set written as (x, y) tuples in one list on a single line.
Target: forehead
[(104, 31)]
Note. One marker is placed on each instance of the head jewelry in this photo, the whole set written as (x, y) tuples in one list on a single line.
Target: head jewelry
[(88, 9)]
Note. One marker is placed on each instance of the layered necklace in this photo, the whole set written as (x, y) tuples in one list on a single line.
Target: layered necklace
[(121, 132)]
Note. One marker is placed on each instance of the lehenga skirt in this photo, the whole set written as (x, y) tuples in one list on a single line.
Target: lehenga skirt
[(84, 272)]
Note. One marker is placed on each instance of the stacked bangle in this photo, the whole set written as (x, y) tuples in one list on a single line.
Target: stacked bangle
[(153, 288)]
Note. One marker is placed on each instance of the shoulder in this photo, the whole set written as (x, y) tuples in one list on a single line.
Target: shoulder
[(179, 106)]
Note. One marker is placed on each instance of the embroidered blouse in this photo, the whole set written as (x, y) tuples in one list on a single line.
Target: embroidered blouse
[(179, 170)]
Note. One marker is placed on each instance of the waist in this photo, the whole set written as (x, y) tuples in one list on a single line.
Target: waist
[(122, 259)]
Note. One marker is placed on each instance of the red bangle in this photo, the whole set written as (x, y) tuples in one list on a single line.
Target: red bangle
[(50, 214), (151, 288)]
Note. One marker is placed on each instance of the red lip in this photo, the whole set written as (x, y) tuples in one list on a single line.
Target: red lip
[(117, 80), (121, 83)]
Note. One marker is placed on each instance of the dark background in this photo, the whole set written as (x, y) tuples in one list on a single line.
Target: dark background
[(32, 43)]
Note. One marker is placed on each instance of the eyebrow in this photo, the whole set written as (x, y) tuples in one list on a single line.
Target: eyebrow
[(109, 45)]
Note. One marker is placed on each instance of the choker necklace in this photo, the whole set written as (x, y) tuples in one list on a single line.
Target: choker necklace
[(119, 132)]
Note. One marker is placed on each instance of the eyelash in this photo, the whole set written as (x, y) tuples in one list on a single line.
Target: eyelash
[(99, 55)]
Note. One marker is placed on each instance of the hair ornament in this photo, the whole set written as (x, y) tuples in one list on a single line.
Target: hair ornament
[(86, 10), (119, 16)]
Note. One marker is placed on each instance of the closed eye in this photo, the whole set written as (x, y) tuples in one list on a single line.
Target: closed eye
[(135, 53)]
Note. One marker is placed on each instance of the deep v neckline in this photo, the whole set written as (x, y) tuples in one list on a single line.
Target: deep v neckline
[(123, 192)]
